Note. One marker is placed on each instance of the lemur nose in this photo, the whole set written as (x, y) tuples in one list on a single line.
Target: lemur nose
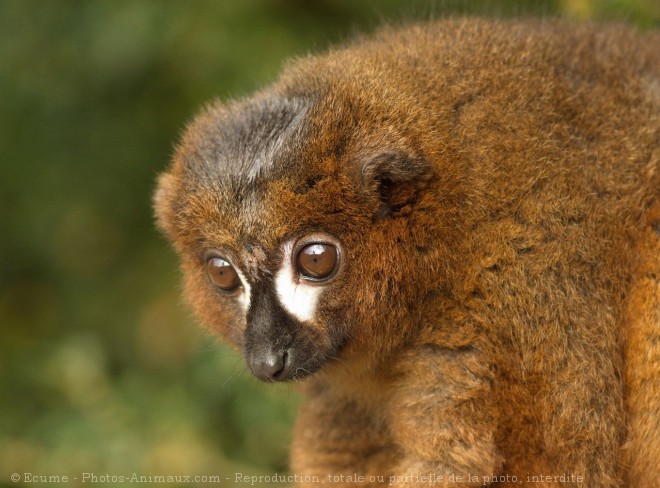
[(271, 365)]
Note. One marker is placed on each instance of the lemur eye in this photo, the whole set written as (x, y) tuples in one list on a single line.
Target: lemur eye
[(222, 274), (317, 261)]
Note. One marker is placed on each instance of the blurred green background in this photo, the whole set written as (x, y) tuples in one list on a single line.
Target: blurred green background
[(102, 369)]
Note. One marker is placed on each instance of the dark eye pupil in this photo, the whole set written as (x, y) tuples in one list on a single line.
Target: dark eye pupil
[(222, 274), (317, 261)]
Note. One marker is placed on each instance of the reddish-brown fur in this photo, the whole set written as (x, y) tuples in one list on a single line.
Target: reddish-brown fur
[(503, 316)]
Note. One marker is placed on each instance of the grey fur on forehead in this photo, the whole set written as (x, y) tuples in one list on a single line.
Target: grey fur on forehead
[(248, 140)]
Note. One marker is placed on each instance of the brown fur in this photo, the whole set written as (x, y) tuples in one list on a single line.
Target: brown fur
[(496, 190)]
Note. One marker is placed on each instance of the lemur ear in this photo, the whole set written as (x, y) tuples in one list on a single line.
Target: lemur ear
[(162, 203), (397, 176)]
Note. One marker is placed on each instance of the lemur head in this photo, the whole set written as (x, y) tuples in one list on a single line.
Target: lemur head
[(301, 226)]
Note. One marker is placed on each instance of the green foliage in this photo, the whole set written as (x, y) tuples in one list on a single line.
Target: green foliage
[(101, 368)]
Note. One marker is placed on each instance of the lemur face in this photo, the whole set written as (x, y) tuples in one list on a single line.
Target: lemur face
[(285, 231), (280, 293)]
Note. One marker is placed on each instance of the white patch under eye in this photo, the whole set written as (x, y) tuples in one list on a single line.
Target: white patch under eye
[(244, 298), (297, 297)]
